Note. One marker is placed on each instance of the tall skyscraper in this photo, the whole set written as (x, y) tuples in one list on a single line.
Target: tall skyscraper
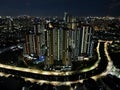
[(35, 40), (81, 41), (58, 46)]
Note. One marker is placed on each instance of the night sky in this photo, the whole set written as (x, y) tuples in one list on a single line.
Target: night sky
[(58, 7)]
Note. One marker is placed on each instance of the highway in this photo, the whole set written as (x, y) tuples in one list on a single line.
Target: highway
[(110, 63), (104, 73), (62, 73)]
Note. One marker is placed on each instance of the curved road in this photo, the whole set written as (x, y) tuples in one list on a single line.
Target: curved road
[(107, 71)]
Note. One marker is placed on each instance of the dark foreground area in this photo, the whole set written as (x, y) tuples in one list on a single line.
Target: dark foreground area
[(16, 83)]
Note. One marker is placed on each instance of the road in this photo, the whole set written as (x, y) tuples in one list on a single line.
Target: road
[(62, 73), (110, 63), (107, 71)]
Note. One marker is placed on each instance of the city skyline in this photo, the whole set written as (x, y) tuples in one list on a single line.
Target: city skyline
[(58, 7), (54, 53)]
